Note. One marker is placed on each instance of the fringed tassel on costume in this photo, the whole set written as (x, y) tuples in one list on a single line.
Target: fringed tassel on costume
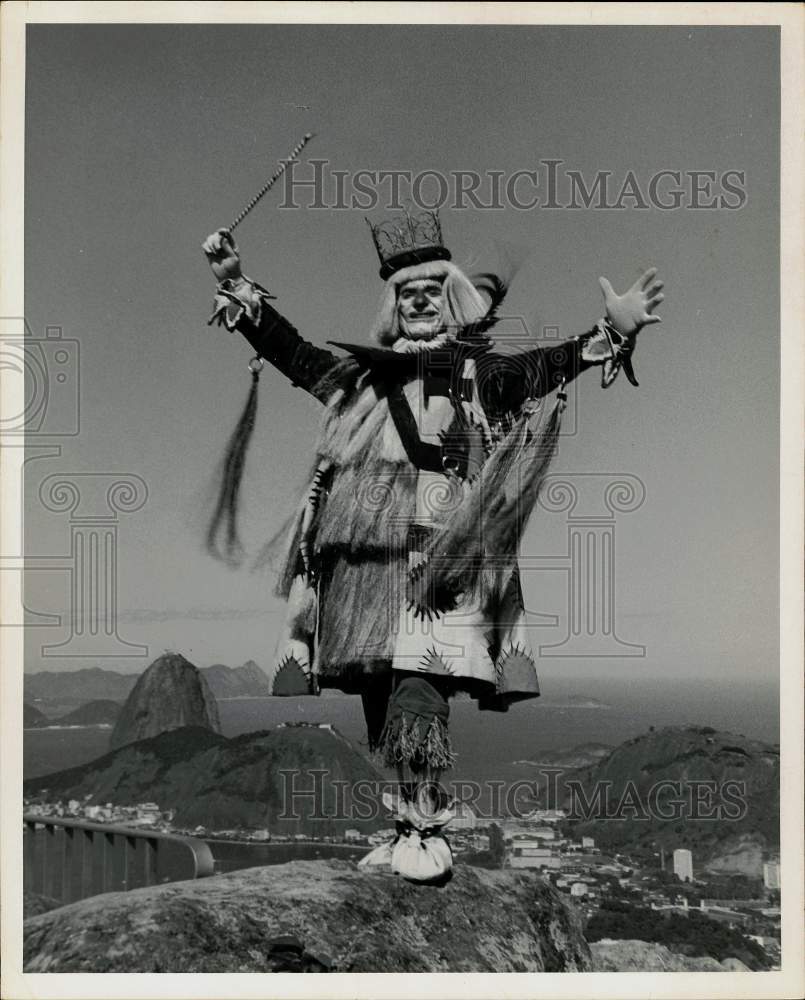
[(415, 740), (493, 514), (225, 517)]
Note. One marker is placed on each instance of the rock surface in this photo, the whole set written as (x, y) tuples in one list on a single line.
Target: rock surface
[(316, 916), (172, 693), (643, 956), (33, 904)]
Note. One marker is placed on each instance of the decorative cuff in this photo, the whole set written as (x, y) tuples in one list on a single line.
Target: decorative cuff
[(605, 345), (236, 299)]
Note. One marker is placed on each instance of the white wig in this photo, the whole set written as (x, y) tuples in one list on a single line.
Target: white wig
[(463, 303)]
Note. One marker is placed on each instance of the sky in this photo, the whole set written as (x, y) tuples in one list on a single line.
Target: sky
[(140, 140)]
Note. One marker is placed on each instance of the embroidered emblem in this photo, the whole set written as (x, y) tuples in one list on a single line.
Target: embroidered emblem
[(290, 679), (434, 663), (424, 597), (515, 670)]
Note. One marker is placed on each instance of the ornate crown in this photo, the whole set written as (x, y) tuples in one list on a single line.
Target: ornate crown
[(408, 239)]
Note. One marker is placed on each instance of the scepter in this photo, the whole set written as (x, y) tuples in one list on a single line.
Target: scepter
[(272, 180), (224, 518)]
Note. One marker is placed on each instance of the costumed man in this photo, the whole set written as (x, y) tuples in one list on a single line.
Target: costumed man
[(400, 565)]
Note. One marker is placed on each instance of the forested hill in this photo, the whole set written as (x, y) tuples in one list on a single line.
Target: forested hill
[(224, 783), (646, 789)]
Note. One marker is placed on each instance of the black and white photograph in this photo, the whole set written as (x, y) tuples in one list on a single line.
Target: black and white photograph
[(402, 499)]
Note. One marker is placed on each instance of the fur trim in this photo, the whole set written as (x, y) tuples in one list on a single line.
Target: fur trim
[(360, 602), (494, 512), (369, 508)]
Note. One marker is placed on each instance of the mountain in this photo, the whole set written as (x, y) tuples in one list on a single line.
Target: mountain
[(736, 779), (248, 681), (172, 693), (77, 687), (32, 718), (315, 916), (74, 687), (101, 712), (221, 783)]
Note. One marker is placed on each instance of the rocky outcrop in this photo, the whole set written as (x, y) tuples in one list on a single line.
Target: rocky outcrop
[(744, 853), (315, 915), (642, 956), (172, 693), (33, 903)]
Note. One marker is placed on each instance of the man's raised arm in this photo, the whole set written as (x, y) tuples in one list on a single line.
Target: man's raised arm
[(242, 304)]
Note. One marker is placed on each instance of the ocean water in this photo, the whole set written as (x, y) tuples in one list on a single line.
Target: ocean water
[(231, 856), (487, 742)]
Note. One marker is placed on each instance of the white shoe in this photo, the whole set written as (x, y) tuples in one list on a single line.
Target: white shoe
[(419, 853), (380, 856), (422, 858)]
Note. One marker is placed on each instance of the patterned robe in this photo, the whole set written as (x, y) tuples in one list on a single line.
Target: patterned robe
[(357, 542)]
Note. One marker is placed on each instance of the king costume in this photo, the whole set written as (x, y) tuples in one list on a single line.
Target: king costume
[(400, 564)]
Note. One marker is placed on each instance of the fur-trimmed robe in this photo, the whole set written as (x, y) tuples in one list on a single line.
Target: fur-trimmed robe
[(352, 552)]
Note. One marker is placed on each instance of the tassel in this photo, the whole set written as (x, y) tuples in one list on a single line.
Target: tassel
[(226, 509), (402, 742), (494, 512)]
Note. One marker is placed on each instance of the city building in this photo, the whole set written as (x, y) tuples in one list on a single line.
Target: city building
[(529, 852), (465, 817), (683, 864), (587, 842), (578, 889), (546, 815), (771, 874)]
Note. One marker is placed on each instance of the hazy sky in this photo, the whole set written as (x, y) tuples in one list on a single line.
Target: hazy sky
[(143, 139)]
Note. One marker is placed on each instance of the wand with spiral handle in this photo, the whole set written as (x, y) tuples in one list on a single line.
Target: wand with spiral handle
[(224, 519), (272, 180)]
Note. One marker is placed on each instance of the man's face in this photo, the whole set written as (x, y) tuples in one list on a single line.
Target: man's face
[(419, 307)]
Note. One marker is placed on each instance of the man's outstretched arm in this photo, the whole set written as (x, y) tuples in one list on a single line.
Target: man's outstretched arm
[(507, 380), (243, 305)]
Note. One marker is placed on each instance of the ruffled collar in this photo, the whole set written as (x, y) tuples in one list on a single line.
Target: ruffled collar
[(402, 345), (405, 358)]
